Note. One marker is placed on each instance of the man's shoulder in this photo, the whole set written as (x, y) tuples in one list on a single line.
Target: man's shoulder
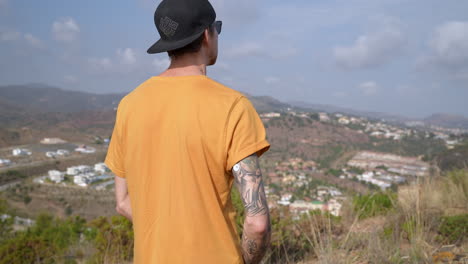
[(212, 90), (223, 89)]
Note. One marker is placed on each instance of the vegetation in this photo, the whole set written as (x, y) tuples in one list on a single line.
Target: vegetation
[(374, 204), (407, 146), (454, 228), (456, 158), (334, 172), (371, 229), (10, 176), (53, 240), (332, 154)]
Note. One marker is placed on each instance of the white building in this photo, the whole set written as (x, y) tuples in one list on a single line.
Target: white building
[(324, 117), (334, 207), (39, 179), (271, 114), (21, 152), (369, 177), (343, 120), (50, 154), (81, 180), (4, 162), (300, 206), (56, 176), (85, 149), (285, 199), (85, 179), (100, 167), (63, 152), (78, 169), (52, 141)]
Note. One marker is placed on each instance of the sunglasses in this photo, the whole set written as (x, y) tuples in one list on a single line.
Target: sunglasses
[(218, 24)]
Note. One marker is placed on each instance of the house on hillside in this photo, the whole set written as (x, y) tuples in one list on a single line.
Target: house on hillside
[(56, 176), (101, 167), (21, 152), (4, 162)]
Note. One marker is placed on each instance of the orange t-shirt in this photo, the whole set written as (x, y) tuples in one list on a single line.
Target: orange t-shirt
[(175, 141)]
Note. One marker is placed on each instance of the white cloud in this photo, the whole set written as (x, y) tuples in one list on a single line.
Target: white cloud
[(161, 64), (450, 44), (65, 29), (448, 53), (126, 56), (123, 62), (371, 50), (368, 88), (13, 35), (33, 41)]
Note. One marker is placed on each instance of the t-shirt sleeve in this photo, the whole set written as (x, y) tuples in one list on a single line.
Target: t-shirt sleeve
[(114, 158), (245, 133)]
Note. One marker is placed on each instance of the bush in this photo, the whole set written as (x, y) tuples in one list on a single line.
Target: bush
[(460, 178), (374, 204), (454, 228), (27, 199), (113, 239), (45, 242)]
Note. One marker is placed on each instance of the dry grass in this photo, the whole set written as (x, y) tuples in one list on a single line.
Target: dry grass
[(407, 234)]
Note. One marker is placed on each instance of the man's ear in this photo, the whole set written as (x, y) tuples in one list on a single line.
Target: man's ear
[(207, 37)]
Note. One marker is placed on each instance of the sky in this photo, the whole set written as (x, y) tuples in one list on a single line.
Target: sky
[(395, 56)]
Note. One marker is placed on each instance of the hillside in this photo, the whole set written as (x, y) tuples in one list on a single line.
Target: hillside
[(31, 112), (447, 120), (436, 119), (37, 97)]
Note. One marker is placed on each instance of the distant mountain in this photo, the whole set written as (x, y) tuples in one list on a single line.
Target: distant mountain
[(38, 97), (447, 120), (438, 119), (42, 98), (267, 103), (349, 111), (33, 111), (20, 101)]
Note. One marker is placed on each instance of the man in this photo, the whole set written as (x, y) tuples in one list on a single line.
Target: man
[(180, 140)]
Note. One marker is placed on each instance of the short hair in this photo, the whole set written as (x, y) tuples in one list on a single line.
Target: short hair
[(192, 47)]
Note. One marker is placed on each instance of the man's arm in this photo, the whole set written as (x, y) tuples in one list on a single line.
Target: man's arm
[(257, 227), (123, 199)]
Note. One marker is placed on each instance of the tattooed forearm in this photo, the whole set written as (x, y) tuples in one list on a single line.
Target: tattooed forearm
[(249, 181), (255, 246), (255, 240)]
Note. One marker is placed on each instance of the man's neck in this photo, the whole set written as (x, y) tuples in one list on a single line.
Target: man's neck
[(182, 67)]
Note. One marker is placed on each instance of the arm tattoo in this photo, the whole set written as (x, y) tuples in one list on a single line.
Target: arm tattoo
[(255, 249), (249, 181)]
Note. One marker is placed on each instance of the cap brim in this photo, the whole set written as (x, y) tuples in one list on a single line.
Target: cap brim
[(164, 45)]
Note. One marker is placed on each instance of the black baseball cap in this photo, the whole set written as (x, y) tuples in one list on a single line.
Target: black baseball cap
[(180, 22)]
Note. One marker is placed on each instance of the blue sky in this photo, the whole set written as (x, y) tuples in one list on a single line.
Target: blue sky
[(396, 56)]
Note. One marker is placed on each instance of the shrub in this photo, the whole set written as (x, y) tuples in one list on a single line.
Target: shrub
[(374, 204), (454, 228), (45, 242)]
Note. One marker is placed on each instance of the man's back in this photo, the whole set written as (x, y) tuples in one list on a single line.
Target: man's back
[(175, 141)]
